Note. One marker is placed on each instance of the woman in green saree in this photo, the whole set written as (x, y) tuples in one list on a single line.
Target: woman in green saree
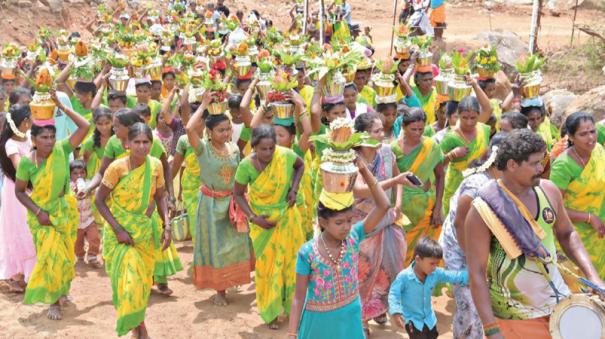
[(52, 212), (221, 257), (422, 156), (579, 172), (463, 144), (131, 239), (272, 176), (168, 262)]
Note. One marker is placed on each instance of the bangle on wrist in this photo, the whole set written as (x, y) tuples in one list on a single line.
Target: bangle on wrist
[(293, 334), (492, 331), (38, 211)]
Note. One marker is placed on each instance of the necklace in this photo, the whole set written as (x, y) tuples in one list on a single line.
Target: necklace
[(340, 255), (579, 157)]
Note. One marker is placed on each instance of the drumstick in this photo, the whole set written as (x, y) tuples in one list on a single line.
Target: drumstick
[(583, 280)]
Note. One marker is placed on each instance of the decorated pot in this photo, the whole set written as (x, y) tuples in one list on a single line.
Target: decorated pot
[(118, 79), (282, 109), (63, 53), (42, 106), (441, 82), (242, 66), (484, 73), (338, 177), (424, 59), (335, 86), (458, 88), (531, 84), (383, 85), (155, 70), (217, 108), (263, 87)]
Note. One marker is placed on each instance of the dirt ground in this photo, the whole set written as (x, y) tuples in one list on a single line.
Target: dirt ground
[(189, 313)]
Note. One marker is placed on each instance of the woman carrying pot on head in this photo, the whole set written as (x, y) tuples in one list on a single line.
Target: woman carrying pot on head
[(421, 156), (382, 253), (221, 257), (52, 212), (17, 251), (579, 172), (271, 175), (463, 144), (135, 186)]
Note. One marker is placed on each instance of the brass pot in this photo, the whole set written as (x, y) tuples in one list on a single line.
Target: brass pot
[(483, 73), (531, 84), (383, 85), (63, 54), (349, 74), (139, 72), (42, 106), (217, 108), (155, 71), (263, 87), (458, 89), (7, 70), (242, 66), (282, 109), (335, 86), (424, 59), (441, 82), (337, 177), (71, 82)]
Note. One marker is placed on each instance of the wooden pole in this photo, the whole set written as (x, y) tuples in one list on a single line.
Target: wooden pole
[(533, 33), (573, 24), (305, 15), (393, 27), (321, 23)]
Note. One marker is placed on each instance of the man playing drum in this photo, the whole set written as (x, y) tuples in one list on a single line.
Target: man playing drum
[(512, 225)]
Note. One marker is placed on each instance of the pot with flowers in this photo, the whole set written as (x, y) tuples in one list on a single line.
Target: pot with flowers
[(265, 68), (213, 82), (64, 49), (118, 77), (242, 60), (337, 160), (402, 45), (288, 59), (384, 82), (8, 64), (42, 105), (281, 85), (457, 87), (446, 74), (215, 51), (141, 59), (531, 77), (331, 66), (486, 62), (424, 44)]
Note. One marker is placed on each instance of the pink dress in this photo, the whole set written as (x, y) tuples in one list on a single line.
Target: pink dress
[(17, 251)]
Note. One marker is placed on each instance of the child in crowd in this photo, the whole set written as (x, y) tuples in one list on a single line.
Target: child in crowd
[(87, 228), (410, 294)]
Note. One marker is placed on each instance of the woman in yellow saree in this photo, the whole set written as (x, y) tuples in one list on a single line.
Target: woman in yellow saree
[(579, 172), (52, 212), (422, 156), (272, 176), (131, 239), (462, 145)]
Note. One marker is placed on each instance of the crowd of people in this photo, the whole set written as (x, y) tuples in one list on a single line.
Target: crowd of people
[(201, 111)]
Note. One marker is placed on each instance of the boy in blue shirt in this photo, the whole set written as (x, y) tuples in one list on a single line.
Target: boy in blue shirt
[(410, 304)]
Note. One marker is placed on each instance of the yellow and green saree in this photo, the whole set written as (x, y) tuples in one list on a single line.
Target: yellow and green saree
[(418, 203), (190, 181), (453, 175), (275, 249), (130, 268), (54, 270), (584, 189)]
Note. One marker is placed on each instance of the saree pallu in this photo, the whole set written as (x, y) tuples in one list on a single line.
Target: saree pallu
[(585, 194), (222, 254), (453, 175), (54, 270), (130, 268), (382, 252), (275, 249), (418, 202), (308, 207), (190, 186)]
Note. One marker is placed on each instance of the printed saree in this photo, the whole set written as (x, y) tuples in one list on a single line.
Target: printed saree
[(584, 193), (130, 268), (275, 249), (54, 270), (419, 201)]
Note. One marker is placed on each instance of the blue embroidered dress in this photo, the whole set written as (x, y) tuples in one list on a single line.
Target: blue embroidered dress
[(332, 305)]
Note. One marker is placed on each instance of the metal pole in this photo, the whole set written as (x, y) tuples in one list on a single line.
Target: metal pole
[(573, 25), (533, 33), (305, 15), (321, 23), (393, 28)]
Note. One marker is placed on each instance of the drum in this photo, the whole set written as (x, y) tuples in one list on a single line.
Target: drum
[(578, 316)]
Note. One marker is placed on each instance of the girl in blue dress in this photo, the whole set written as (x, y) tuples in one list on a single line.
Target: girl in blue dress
[(326, 302)]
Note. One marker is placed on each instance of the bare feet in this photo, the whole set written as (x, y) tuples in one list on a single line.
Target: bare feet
[(273, 325), (143, 332), (95, 264), (54, 312), (164, 290), (15, 286), (220, 299), (381, 319)]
